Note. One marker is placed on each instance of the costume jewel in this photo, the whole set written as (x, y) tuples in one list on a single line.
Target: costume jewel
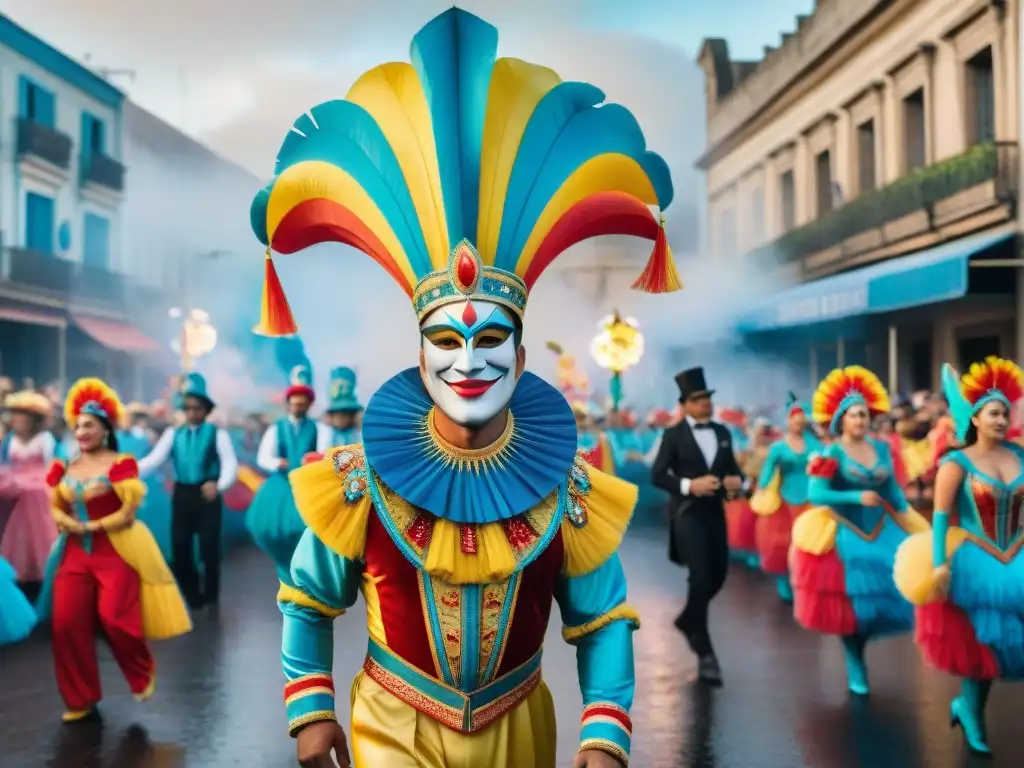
[(463, 175)]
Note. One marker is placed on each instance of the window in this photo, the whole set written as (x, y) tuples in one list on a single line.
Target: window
[(866, 153), (94, 135), (823, 181), (36, 104), (757, 217), (39, 222), (913, 131), (981, 100), (727, 234), (96, 247), (787, 200)]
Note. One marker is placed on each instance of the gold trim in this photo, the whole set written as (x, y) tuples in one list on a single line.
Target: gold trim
[(74, 715), (605, 745), (471, 458), (312, 717), (621, 612), (322, 690), (287, 594)]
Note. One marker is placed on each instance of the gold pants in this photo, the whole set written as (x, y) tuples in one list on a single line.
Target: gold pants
[(388, 732)]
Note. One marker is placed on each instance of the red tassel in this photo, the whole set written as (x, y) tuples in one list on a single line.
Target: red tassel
[(660, 275), (276, 319)]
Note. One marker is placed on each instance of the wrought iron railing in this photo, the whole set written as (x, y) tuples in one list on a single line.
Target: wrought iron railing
[(44, 142), (920, 190), (103, 170)]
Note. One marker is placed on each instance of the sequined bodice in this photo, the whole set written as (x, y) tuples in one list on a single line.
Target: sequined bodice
[(854, 476), (988, 507)]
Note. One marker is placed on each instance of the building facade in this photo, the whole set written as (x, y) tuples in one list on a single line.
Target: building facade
[(871, 159)]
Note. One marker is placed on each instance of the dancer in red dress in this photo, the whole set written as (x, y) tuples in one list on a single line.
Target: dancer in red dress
[(106, 574)]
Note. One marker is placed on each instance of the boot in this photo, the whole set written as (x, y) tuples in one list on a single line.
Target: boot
[(968, 711), (784, 588), (856, 669)]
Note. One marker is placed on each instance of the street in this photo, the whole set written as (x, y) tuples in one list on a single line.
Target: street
[(784, 705)]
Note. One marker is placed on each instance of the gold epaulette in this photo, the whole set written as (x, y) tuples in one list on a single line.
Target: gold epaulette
[(332, 499), (598, 509)]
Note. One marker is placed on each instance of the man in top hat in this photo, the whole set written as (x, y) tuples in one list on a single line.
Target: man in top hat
[(205, 466), (696, 465), (344, 408)]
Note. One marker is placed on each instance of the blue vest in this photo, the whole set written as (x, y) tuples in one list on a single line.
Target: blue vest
[(295, 441), (195, 454)]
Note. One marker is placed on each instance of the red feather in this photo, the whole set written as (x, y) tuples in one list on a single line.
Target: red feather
[(55, 473), (822, 466)]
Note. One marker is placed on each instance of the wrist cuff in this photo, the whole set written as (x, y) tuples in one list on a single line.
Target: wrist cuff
[(607, 727), (308, 699)]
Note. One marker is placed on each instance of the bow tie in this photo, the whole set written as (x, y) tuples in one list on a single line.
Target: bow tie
[(705, 425)]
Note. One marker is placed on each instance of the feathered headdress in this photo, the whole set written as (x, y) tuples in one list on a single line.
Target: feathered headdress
[(29, 402), (463, 175), (995, 379), (846, 387), (793, 404), (94, 397)]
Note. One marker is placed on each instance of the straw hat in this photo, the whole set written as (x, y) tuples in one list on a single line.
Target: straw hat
[(29, 402)]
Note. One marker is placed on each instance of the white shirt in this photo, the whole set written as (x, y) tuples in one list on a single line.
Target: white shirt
[(41, 444), (267, 456), (707, 441), (165, 445)]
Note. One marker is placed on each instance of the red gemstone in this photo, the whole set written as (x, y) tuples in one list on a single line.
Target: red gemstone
[(465, 267), (467, 536), (420, 530), (468, 314), (519, 533)]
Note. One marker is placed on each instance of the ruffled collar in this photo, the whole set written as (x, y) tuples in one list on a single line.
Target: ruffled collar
[(531, 459)]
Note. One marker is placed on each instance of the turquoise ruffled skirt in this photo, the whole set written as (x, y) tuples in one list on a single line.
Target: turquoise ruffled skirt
[(879, 607), (274, 522), (17, 618)]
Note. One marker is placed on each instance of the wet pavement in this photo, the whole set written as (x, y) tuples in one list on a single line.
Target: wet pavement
[(784, 705)]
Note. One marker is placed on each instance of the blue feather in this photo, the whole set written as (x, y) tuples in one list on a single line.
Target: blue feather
[(453, 56), (558, 106), (608, 129), (258, 214), (959, 408), (346, 135)]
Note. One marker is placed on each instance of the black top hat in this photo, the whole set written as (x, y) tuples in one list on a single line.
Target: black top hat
[(691, 384)]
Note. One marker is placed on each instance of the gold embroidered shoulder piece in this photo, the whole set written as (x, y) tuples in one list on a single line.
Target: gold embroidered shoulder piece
[(331, 496), (599, 507)]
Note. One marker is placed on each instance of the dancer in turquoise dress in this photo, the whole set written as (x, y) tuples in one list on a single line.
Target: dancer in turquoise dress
[(272, 519), (844, 548), (781, 494), (344, 408), (17, 617), (967, 577)]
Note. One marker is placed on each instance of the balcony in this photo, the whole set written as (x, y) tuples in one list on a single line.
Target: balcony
[(39, 272), (43, 275), (44, 143), (954, 197), (104, 172)]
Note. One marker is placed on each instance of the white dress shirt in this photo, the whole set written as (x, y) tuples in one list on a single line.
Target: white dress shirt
[(267, 456), (707, 441), (164, 447)]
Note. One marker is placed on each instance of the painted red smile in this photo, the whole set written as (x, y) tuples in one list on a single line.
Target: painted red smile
[(470, 389)]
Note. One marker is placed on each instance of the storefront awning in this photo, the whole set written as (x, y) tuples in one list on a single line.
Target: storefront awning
[(32, 317), (120, 337), (928, 277)]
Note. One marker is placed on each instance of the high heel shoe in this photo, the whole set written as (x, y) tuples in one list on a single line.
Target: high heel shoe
[(972, 729), (856, 669)]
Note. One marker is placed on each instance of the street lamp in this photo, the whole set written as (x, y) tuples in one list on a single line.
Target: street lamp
[(197, 337), (617, 347)]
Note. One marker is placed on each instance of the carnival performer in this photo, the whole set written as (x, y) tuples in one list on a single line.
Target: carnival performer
[(740, 520), (966, 577), (205, 467), (344, 407), (272, 519), (106, 574), (137, 438), (591, 441), (17, 617), (841, 560), (465, 510), (25, 453), (696, 466), (781, 494)]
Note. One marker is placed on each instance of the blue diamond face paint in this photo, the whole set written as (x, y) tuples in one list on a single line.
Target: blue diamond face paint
[(470, 355)]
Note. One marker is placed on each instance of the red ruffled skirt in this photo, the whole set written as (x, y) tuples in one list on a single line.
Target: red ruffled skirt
[(741, 525), (948, 641), (774, 534)]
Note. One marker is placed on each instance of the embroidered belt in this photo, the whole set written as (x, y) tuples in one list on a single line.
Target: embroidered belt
[(460, 711)]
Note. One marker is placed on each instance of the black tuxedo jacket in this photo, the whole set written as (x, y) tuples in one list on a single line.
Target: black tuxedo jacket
[(679, 457)]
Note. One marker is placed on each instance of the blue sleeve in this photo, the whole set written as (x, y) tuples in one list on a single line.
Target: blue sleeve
[(820, 491), (325, 585), (598, 622), (771, 464), (940, 526), (890, 490)]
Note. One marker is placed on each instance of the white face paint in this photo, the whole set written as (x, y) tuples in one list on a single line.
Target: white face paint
[(470, 355)]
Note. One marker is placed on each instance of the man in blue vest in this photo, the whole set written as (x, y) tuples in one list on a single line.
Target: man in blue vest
[(344, 408), (205, 466)]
